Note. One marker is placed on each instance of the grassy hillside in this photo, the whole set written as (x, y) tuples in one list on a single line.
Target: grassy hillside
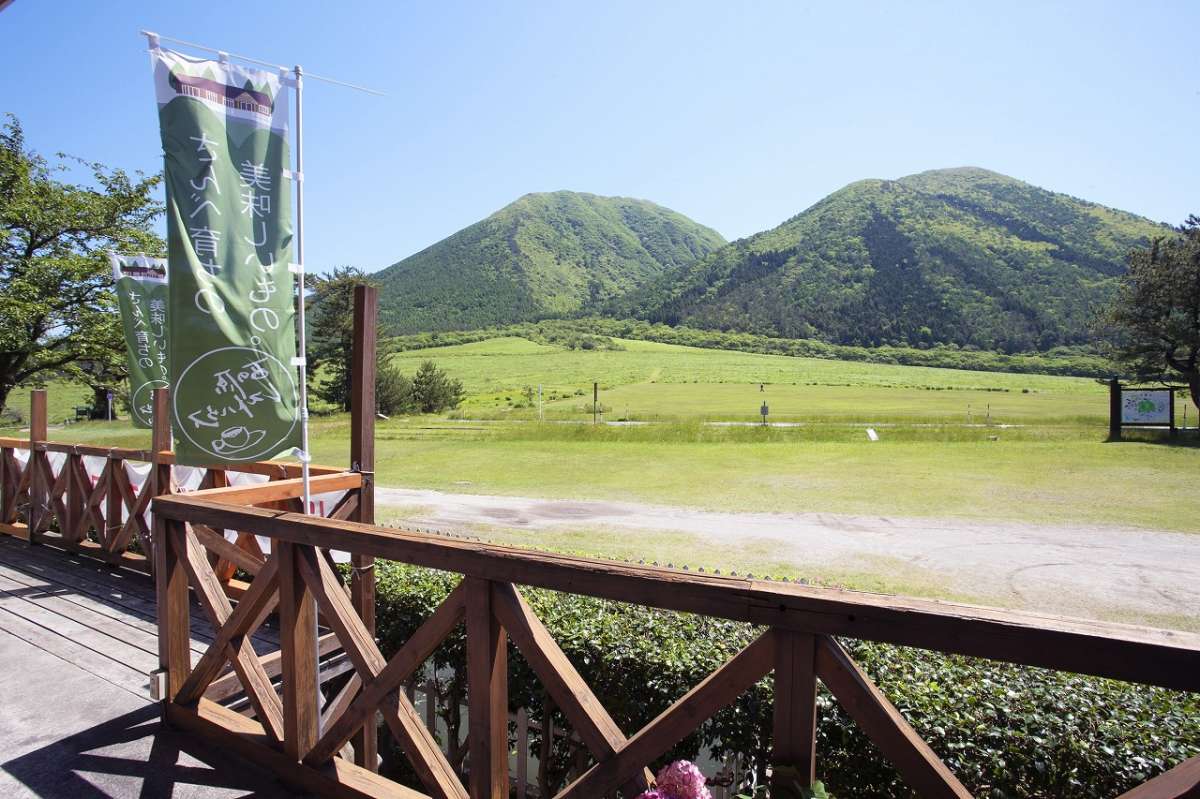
[(544, 255), (962, 256)]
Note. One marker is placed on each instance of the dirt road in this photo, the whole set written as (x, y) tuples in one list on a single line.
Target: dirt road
[(1092, 571)]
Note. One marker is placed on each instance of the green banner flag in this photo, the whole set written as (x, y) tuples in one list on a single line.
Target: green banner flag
[(141, 285), (232, 338)]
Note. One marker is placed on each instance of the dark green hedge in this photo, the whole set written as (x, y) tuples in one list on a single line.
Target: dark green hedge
[(1006, 731)]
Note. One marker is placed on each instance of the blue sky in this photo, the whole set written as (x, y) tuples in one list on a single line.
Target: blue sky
[(739, 115)]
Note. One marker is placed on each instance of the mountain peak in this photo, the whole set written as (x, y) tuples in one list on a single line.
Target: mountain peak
[(960, 171), (545, 254), (962, 256)]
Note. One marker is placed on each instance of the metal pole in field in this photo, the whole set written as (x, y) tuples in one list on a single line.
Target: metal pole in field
[(302, 355), (542, 413), (595, 400)]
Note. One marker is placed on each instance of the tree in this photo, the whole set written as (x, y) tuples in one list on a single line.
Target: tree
[(332, 346), (433, 389), (1154, 321), (331, 329), (393, 389), (57, 307)]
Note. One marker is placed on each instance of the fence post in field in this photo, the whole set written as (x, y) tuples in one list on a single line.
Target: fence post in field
[(362, 460), (1114, 409), (39, 490)]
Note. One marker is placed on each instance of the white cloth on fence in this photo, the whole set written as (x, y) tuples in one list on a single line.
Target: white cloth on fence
[(93, 466), (139, 476)]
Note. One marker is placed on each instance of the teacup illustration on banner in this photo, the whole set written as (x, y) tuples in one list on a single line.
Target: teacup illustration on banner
[(236, 439)]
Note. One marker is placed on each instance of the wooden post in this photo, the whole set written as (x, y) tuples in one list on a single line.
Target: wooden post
[(794, 747), (74, 501), (1172, 406), (1114, 409), (39, 492), (113, 504), (8, 498), (174, 617), (38, 427), (298, 651), (160, 442), (362, 460), (487, 694)]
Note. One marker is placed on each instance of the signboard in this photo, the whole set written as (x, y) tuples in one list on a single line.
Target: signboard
[(141, 285), (1146, 407), (234, 390)]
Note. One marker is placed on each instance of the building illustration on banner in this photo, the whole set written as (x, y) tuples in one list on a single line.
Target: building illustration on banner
[(245, 98)]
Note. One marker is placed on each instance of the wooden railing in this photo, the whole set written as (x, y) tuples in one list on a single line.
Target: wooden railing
[(101, 513), (303, 741)]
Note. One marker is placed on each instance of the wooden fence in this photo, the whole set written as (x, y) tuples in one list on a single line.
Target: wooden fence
[(49, 495), (798, 645)]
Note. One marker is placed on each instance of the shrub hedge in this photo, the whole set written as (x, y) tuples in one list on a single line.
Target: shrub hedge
[(1006, 731)]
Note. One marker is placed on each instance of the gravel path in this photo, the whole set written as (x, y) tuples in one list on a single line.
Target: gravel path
[(1078, 570)]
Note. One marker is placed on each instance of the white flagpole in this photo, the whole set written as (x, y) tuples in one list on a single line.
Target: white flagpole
[(302, 346)]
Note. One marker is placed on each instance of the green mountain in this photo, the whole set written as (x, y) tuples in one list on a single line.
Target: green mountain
[(545, 255), (962, 256)]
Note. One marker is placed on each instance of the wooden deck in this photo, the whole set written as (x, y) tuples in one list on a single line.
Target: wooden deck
[(77, 641)]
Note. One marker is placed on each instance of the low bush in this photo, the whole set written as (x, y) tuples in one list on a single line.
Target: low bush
[(1006, 731)]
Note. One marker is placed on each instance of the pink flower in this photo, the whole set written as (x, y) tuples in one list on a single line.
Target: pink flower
[(652, 794), (682, 780)]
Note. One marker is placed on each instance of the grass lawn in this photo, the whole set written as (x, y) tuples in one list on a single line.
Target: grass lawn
[(62, 397), (1064, 481)]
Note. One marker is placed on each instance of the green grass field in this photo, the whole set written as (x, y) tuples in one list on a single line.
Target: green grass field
[(648, 380), (977, 445)]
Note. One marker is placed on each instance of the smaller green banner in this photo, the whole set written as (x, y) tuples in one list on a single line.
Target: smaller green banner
[(141, 285)]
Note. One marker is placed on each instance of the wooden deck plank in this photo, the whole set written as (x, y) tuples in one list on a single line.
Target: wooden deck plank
[(134, 619), (116, 629), (99, 642), (134, 590), (122, 590), (73, 652)]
